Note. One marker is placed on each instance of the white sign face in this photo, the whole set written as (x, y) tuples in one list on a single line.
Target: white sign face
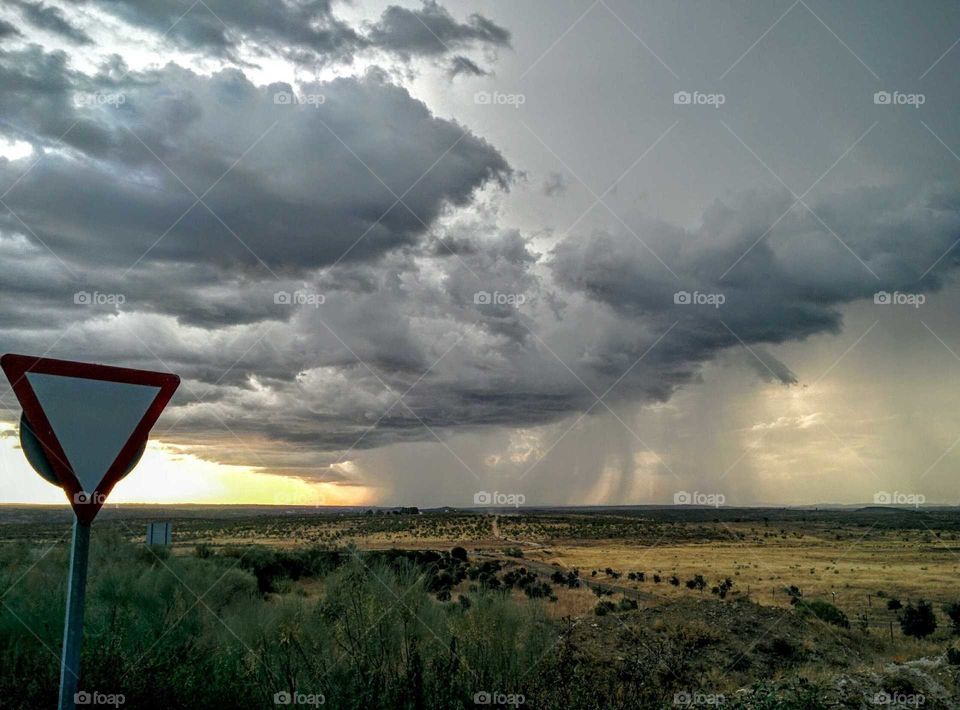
[(92, 419)]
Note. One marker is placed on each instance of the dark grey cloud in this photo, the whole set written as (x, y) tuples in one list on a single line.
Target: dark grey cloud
[(52, 19), (432, 30), (221, 27), (464, 65), (730, 287), (304, 31), (311, 312), (292, 185), (39, 104), (8, 30), (491, 279), (330, 377), (770, 368)]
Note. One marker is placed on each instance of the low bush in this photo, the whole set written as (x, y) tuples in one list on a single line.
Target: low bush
[(823, 610), (603, 608), (189, 632), (918, 621)]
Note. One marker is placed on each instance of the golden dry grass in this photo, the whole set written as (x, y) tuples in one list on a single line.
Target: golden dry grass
[(761, 561), (848, 573)]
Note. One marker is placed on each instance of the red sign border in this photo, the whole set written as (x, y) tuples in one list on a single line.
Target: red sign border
[(16, 368)]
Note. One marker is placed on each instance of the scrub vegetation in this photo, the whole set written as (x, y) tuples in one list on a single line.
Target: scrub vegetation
[(500, 617)]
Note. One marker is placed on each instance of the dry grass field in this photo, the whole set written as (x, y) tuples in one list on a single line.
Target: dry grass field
[(858, 565), (846, 573), (777, 608)]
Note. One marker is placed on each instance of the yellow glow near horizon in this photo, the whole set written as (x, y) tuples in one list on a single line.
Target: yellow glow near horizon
[(168, 476)]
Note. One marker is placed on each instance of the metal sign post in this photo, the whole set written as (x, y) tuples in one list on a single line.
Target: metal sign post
[(83, 428), (73, 622)]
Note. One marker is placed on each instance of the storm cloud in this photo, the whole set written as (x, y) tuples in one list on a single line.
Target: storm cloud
[(51, 19), (433, 30), (186, 168), (301, 30), (336, 266)]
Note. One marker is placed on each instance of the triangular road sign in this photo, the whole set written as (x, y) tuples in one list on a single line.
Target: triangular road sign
[(91, 420)]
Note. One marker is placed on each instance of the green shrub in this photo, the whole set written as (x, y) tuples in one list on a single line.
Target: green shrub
[(626, 604), (603, 608), (918, 621), (823, 610), (952, 610), (198, 632), (270, 566)]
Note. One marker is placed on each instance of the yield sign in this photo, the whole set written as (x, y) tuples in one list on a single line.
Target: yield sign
[(92, 421)]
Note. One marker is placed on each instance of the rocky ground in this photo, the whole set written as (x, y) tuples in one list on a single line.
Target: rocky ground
[(740, 654)]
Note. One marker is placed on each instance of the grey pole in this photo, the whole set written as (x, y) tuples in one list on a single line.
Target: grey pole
[(73, 624)]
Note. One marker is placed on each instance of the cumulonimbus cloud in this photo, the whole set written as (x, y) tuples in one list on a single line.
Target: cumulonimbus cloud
[(203, 199), (289, 179)]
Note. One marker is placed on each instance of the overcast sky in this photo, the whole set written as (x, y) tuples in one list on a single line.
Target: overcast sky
[(603, 252)]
